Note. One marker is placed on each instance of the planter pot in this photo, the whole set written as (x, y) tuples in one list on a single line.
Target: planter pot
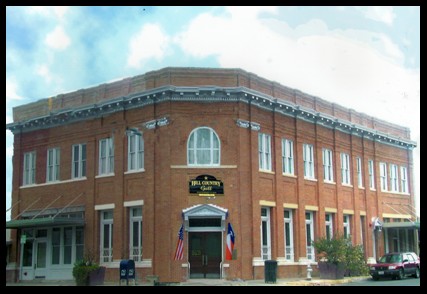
[(96, 277), (331, 271)]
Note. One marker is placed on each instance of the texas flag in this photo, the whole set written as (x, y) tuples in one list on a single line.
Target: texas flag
[(230, 243)]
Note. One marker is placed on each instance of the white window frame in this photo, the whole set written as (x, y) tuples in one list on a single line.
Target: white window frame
[(79, 161), (135, 152), (106, 162), (346, 225), (135, 252), (359, 172), (309, 223), (29, 174), (193, 149), (383, 176), (345, 169), (288, 156), (266, 248), (308, 157), (404, 179), (328, 168), (106, 253), (52, 164), (329, 226), (289, 225), (371, 174), (394, 181), (264, 150)]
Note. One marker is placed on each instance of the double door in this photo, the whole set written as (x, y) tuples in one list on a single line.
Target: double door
[(205, 255)]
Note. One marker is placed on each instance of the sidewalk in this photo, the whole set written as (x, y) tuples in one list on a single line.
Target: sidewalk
[(204, 282)]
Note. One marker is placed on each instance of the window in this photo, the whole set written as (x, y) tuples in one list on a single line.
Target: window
[(52, 165), (288, 156), (359, 172), (107, 236), (203, 147), (265, 233), (383, 176), (56, 245), (328, 174), (393, 178), (135, 234), (80, 243), (371, 174), (345, 169), (29, 168), (404, 179), (79, 161), (67, 245), (346, 226), (106, 156), (329, 226), (309, 230), (308, 156), (289, 235), (135, 152), (362, 231), (264, 148)]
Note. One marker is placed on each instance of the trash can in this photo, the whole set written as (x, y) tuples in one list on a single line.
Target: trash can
[(127, 271), (270, 271)]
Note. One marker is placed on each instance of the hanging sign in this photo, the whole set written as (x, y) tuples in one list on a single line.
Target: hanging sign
[(206, 185)]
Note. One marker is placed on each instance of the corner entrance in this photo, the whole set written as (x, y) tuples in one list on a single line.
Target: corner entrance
[(205, 255)]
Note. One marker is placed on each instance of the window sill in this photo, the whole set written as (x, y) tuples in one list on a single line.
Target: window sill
[(372, 189), (362, 188), (104, 176), (329, 183), (395, 193), (289, 175), (53, 183), (310, 179), (134, 171), (267, 171), (347, 185)]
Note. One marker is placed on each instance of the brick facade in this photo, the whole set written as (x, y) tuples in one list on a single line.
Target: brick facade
[(163, 185)]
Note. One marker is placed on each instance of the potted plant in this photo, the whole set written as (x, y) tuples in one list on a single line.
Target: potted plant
[(332, 256), (87, 272)]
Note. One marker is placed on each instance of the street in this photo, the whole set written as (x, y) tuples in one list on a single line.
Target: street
[(384, 282)]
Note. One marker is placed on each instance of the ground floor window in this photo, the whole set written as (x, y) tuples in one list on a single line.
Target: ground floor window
[(265, 233), (289, 235), (107, 236), (135, 233), (309, 230)]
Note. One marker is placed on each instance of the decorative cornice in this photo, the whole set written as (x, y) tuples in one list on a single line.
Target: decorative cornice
[(209, 94)]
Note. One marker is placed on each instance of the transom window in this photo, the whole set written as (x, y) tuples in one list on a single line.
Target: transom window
[(203, 147)]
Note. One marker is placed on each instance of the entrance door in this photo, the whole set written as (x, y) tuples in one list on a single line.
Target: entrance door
[(205, 255), (41, 254)]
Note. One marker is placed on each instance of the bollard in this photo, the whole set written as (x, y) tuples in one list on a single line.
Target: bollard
[(309, 270)]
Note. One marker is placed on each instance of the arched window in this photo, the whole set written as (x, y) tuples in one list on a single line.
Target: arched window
[(203, 147)]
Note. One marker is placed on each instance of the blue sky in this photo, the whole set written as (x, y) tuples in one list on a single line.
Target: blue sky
[(365, 58)]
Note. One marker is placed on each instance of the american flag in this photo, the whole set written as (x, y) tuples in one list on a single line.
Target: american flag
[(179, 252)]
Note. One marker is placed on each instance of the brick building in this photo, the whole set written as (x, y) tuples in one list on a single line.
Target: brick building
[(116, 169)]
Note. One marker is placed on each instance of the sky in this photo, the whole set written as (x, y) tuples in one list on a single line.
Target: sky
[(364, 58)]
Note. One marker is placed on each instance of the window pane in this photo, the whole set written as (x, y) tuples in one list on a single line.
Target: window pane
[(68, 240), (56, 243), (264, 233), (79, 243), (135, 233), (106, 236), (203, 138), (287, 232)]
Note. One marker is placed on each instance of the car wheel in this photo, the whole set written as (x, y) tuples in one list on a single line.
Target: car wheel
[(401, 274), (375, 278), (417, 273)]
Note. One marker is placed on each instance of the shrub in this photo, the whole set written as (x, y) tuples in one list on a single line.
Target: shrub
[(355, 261), (82, 269)]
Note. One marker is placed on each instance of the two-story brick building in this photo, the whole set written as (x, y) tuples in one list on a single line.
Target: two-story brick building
[(115, 170)]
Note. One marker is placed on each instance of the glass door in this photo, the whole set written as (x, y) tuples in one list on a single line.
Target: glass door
[(40, 254)]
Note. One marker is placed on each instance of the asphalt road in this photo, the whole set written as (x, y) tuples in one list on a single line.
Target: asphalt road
[(384, 282)]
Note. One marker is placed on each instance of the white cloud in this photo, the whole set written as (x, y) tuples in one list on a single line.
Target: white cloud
[(43, 71), (11, 90), (58, 39), (149, 42), (383, 14), (47, 11)]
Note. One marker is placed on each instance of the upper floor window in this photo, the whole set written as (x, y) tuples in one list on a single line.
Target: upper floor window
[(345, 169), (288, 156), (359, 172), (29, 168), (383, 176), (79, 161), (394, 184), (106, 156), (52, 171), (371, 174), (135, 152), (308, 156), (404, 179), (203, 147), (264, 148), (328, 174)]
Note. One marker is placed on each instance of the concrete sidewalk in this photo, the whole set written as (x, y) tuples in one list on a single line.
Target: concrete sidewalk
[(204, 282)]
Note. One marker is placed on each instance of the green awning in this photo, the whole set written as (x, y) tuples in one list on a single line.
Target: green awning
[(43, 222), (409, 225)]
